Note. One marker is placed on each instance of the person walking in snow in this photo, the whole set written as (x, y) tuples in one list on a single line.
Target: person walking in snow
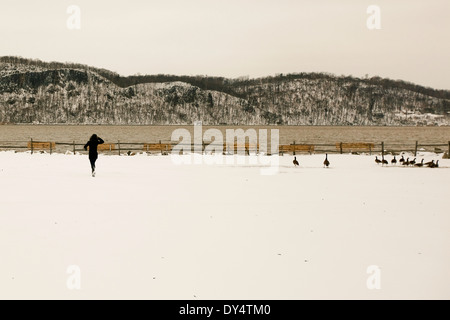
[(93, 142)]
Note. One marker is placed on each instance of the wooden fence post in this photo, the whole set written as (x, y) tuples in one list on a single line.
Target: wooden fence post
[(448, 154), (415, 150), (31, 145), (340, 146), (118, 143), (294, 149), (74, 148), (50, 148), (382, 148)]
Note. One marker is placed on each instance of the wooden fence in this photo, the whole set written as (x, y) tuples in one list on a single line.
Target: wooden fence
[(165, 147)]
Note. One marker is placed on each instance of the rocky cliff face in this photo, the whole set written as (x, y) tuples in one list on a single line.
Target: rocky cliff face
[(40, 95)]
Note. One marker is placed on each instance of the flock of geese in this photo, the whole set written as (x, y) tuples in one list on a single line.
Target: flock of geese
[(326, 163), (402, 161), (412, 163)]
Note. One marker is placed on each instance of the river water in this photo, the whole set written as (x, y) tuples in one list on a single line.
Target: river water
[(402, 137)]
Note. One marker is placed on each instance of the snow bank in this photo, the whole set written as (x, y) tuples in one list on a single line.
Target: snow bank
[(146, 228)]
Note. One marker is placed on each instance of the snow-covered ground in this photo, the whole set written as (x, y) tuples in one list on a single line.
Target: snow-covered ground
[(147, 228)]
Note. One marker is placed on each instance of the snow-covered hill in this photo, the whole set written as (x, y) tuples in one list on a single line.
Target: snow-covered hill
[(41, 94)]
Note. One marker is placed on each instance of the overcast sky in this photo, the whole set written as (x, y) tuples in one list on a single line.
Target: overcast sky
[(235, 38)]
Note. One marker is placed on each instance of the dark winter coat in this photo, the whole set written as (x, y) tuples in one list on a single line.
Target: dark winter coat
[(92, 144)]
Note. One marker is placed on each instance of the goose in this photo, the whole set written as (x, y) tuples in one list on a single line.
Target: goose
[(383, 161), (413, 162), (326, 163), (295, 162), (436, 165), (419, 164), (429, 163), (394, 161), (402, 160), (378, 161), (406, 163)]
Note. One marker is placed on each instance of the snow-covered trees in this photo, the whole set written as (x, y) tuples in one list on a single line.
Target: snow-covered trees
[(37, 92)]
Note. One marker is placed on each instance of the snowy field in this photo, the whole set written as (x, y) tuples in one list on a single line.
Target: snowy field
[(146, 228)]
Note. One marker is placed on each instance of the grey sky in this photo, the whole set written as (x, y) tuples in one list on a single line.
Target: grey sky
[(235, 38)]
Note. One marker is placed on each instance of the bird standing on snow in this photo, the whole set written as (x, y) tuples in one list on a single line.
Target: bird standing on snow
[(326, 163), (402, 160), (419, 164), (394, 161), (430, 163), (378, 161), (383, 162), (435, 165), (295, 162)]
